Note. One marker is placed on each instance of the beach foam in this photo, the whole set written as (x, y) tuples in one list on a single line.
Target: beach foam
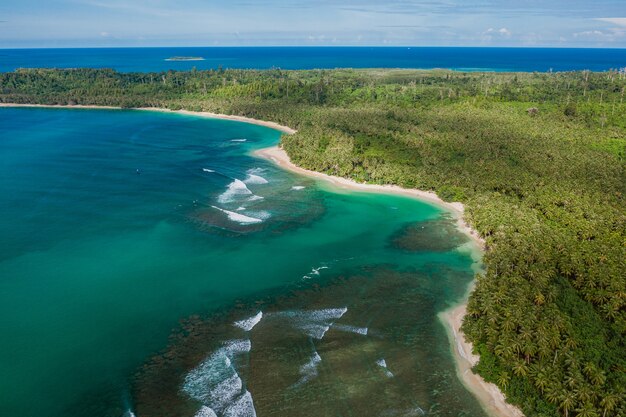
[(241, 407), (314, 323), (238, 217), (239, 140), (205, 412), (298, 187), (351, 329), (383, 364), (233, 347), (249, 323), (254, 177), (236, 189), (215, 381), (260, 214), (314, 271), (309, 369)]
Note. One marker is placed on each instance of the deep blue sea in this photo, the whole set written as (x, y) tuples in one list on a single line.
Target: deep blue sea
[(462, 59)]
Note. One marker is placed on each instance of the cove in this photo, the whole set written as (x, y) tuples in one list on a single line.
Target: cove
[(147, 259)]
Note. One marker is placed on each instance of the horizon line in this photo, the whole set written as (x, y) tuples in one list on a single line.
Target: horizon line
[(317, 46)]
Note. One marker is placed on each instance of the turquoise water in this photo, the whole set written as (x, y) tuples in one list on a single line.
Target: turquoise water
[(132, 241)]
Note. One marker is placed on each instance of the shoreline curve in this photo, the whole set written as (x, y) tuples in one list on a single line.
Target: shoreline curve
[(488, 395), (210, 115)]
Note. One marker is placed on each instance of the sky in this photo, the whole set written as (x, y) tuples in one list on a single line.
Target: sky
[(109, 23)]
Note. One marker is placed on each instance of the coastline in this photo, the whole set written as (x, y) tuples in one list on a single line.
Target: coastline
[(488, 395), (279, 157), (272, 125)]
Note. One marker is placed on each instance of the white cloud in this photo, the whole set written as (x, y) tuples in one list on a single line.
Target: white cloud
[(494, 34), (612, 35), (619, 21)]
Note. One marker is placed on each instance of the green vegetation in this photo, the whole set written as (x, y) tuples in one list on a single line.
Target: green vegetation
[(538, 160)]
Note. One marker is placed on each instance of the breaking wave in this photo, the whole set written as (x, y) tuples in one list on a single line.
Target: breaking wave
[(309, 369), (254, 177), (236, 190), (383, 364), (314, 323), (351, 329), (241, 407), (238, 217), (298, 187), (249, 323), (314, 271), (205, 412), (216, 384)]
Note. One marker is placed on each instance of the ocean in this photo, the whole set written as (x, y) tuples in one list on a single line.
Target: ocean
[(150, 265), (461, 59)]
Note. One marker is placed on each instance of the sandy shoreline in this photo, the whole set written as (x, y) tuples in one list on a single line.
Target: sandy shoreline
[(489, 395), (272, 125), (280, 158)]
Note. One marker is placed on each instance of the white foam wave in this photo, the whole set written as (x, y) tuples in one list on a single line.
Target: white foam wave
[(236, 189), (241, 208), (417, 411), (215, 382), (298, 187), (241, 407), (239, 140), (205, 412), (351, 329), (383, 364), (249, 323), (316, 271), (238, 217), (309, 369), (254, 177), (129, 413), (260, 214), (314, 323), (316, 331), (225, 392), (233, 347), (207, 170)]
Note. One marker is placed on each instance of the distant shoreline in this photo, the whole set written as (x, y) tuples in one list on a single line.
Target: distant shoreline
[(488, 395), (272, 125)]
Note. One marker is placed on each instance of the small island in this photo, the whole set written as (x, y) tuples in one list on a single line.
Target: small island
[(185, 58)]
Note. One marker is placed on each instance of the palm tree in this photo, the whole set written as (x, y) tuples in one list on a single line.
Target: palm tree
[(503, 379), (520, 368), (567, 402), (609, 403), (587, 410), (542, 380)]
